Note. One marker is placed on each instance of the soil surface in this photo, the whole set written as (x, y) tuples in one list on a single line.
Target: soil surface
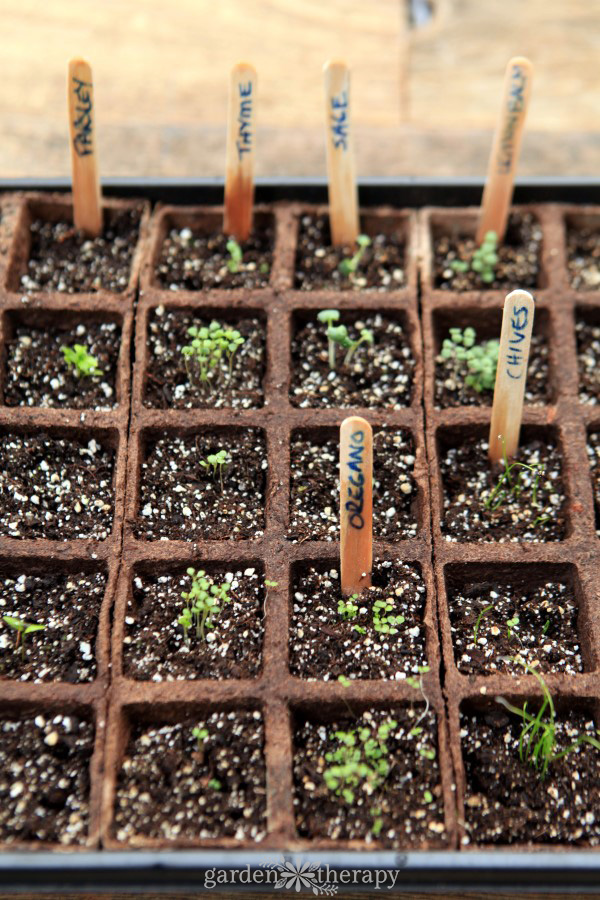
[(156, 648), (44, 778), (68, 606), (507, 802), (182, 500), (191, 260), (405, 810), (379, 375), (37, 374), (314, 493), (542, 630), (583, 258), (324, 642), (468, 481), (450, 374), (171, 789), (170, 386), (588, 358), (63, 259), (381, 267), (593, 449), (55, 488), (518, 258)]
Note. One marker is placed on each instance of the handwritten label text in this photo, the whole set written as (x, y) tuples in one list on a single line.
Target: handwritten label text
[(244, 138), (82, 124), (516, 101), (339, 120), (519, 319), (356, 479)]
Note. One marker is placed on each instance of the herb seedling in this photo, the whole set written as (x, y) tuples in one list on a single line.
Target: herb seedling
[(360, 759), (546, 626), (483, 261), (481, 360), (204, 602), (479, 620), (512, 625), (217, 462), (201, 734), (234, 263), (208, 346), (348, 609), (22, 628), (349, 266), (510, 487), (338, 335), (537, 741), (382, 622), (84, 363), (417, 684)]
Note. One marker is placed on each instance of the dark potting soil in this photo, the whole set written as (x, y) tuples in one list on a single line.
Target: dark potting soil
[(156, 647), (170, 385), (588, 359), (583, 258), (191, 260), (379, 375), (381, 268), (468, 481), (542, 630), (170, 788), (55, 488), (507, 802), (182, 500), (451, 389), (37, 374), (404, 809), (593, 449), (315, 489), (44, 778), (64, 259), (324, 642), (68, 606), (518, 258)]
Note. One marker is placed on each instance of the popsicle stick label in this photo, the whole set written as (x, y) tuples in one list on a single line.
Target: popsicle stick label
[(356, 504), (87, 209), (240, 160), (498, 191), (511, 374), (341, 170)]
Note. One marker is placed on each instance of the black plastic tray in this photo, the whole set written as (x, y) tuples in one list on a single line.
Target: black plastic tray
[(561, 872)]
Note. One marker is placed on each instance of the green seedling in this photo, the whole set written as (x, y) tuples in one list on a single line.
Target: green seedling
[(345, 682), (418, 685), (546, 626), (512, 625), (22, 629), (359, 761), (217, 462), (209, 345), (481, 360), (268, 584), (337, 335), (349, 266), (84, 363), (537, 741), (382, 622), (215, 784), (201, 735), (348, 609), (204, 602), (479, 620), (483, 261), (510, 487), (234, 263)]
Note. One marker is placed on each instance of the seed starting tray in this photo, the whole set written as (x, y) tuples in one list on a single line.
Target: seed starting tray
[(113, 701)]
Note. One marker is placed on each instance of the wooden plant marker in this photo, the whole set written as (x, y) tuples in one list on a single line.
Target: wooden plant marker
[(356, 504), (511, 375), (498, 191), (87, 207), (341, 172), (239, 164)]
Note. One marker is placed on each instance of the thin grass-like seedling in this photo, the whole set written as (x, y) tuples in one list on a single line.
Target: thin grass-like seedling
[(356, 504), (341, 173), (87, 206), (477, 625), (240, 157)]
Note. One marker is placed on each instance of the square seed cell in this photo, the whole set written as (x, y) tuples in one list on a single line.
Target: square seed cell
[(374, 778), (59, 488), (184, 372), (58, 360), (376, 372), (186, 496), (379, 634), (315, 489), (193, 779), (177, 628), (583, 252)]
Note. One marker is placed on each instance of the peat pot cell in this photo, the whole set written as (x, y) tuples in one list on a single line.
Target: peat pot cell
[(39, 372), (55, 488), (518, 256), (44, 778), (466, 347), (508, 800), (66, 607), (587, 332), (377, 374), (63, 259), (501, 620), (522, 502), (374, 778), (192, 780), (583, 252), (377, 634), (228, 373), (184, 497), (177, 627), (315, 488), (200, 257), (593, 449), (379, 266)]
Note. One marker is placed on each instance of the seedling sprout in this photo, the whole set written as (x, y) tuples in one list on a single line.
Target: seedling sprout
[(337, 335), (234, 263), (78, 358), (218, 462), (477, 625), (22, 629), (209, 344), (349, 266), (481, 360), (359, 761), (204, 602), (483, 261)]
